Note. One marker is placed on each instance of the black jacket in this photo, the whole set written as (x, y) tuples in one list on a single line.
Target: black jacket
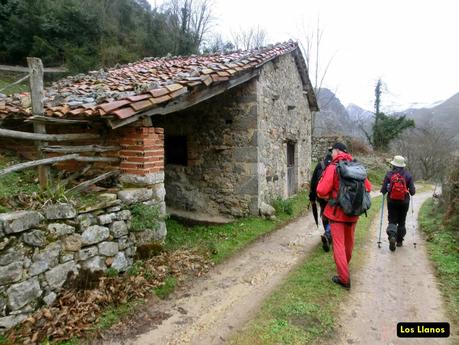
[(316, 175)]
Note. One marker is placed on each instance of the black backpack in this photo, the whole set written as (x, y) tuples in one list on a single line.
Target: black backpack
[(352, 197)]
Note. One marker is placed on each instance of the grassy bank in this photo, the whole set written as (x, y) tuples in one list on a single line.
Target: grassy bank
[(303, 309), (442, 245), (221, 241)]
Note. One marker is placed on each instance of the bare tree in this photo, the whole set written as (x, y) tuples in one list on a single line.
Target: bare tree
[(311, 47), (427, 150), (252, 38), (190, 21)]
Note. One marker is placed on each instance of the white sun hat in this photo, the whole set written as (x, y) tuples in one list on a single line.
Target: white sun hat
[(398, 161)]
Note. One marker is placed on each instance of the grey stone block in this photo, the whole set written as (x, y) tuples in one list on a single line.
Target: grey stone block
[(87, 253), (142, 181), (124, 215), (23, 293), (133, 195), (123, 243), (35, 238), (50, 298), (13, 254), (85, 221), (72, 243), (95, 234), (94, 264), (19, 221), (11, 273), (120, 263), (60, 229), (60, 211), (108, 248), (106, 218), (119, 229), (10, 321), (57, 276)]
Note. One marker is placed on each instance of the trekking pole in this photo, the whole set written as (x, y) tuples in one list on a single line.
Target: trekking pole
[(414, 222), (380, 222)]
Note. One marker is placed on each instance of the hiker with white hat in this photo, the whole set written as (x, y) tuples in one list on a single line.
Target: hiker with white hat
[(399, 185)]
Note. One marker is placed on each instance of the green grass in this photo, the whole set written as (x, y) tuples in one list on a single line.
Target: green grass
[(376, 176), (113, 314), (2, 340), (304, 308), (166, 289), (222, 241), (442, 245), (9, 78), (15, 183)]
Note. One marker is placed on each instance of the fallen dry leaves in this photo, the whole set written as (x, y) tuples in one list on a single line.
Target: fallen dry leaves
[(77, 311)]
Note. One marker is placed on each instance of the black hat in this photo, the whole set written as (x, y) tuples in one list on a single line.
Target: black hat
[(340, 146)]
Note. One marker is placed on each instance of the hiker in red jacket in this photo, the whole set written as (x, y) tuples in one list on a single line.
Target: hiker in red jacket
[(342, 225)]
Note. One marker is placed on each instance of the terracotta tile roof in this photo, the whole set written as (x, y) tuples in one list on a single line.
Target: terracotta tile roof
[(124, 91)]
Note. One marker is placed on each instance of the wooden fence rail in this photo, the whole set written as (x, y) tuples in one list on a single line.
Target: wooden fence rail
[(52, 160), (46, 137)]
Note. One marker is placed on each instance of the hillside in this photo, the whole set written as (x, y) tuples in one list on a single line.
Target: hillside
[(444, 115), (333, 117)]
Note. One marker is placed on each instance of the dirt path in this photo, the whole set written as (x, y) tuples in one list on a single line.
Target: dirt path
[(207, 312), (392, 287)]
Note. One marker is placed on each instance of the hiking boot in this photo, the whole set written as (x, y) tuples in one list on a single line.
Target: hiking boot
[(392, 243), (325, 243), (338, 281), (399, 243)]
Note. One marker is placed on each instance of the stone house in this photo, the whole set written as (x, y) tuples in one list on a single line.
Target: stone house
[(221, 133)]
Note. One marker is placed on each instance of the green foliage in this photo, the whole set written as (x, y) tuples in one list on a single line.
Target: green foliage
[(442, 241), (87, 34), (15, 183), (111, 272), (145, 217), (167, 288), (3, 340), (113, 314), (385, 128), (283, 206)]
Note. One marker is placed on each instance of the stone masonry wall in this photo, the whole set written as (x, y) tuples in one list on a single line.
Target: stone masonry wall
[(39, 249), (321, 144), (220, 177), (284, 116)]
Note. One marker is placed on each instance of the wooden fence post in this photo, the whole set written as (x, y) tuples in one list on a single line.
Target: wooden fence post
[(36, 95)]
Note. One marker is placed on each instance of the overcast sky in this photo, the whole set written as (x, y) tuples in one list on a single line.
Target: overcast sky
[(411, 44)]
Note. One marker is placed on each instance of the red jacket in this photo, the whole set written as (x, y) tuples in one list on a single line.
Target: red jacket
[(328, 189)]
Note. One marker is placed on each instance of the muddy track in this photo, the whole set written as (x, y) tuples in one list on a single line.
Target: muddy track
[(209, 310), (392, 287)]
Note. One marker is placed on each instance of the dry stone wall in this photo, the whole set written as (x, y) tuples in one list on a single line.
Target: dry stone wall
[(40, 250)]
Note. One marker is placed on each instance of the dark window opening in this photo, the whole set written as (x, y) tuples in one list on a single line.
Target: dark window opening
[(290, 154), (175, 149)]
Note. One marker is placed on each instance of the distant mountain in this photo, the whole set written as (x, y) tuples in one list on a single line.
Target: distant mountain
[(444, 115), (333, 117), (356, 113)]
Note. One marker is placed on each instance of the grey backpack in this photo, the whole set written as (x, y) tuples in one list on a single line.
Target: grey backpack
[(352, 197)]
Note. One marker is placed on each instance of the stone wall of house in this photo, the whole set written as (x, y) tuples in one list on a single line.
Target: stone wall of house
[(321, 144), (220, 175), (40, 250), (284, 116)]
